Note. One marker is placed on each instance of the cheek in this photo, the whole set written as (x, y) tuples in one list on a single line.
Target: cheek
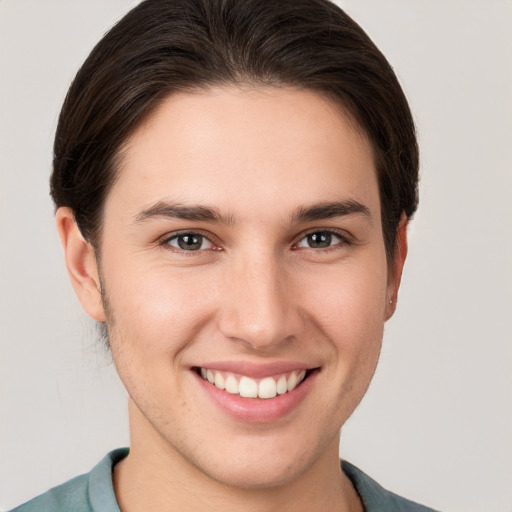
[(349, 299), (155, 317), (350, 310), (156, 310)]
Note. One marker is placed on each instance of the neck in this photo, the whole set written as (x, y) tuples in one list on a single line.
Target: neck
[(155, 477)]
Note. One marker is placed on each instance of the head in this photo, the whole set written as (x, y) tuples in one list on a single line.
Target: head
[(194, 96)]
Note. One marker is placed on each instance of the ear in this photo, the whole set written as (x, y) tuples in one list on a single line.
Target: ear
[(397, 266), (81, 264)]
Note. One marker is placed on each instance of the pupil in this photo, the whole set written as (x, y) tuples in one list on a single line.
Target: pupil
[(189, 242), (319, 240)]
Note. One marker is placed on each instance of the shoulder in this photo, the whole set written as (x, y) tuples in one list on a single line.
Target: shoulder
[(92, 492), (69, 496), (377, 499)]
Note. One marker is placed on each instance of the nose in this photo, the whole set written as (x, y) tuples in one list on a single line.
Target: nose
[(258, 306)]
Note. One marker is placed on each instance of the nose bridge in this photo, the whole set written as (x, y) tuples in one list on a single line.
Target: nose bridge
[(258, 307)]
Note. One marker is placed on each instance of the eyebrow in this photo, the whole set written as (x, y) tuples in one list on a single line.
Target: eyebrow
[(209, 214), (330, 210), (179, 211)]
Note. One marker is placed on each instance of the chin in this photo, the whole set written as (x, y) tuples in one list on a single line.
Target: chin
[(261, 474), (262, 463)]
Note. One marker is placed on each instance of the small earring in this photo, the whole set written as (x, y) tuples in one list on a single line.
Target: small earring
[(391, 301)]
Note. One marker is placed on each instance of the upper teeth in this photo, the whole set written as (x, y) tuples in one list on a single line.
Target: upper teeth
[(248, 387)]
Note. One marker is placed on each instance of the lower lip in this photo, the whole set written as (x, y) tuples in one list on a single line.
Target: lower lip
[(258, 410)]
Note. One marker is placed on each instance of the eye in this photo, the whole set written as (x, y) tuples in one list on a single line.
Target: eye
[(321, 240), (189, 242)]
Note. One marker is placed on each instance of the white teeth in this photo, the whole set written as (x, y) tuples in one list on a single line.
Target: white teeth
[(232, 385), (219, 381), (267, 388), (248, 387), (292, 381), (282, 386)]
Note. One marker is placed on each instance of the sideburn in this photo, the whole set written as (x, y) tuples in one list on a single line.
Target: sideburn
[(104, 327)]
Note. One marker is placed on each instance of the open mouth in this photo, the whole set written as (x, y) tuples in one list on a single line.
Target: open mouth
[(248, 387)]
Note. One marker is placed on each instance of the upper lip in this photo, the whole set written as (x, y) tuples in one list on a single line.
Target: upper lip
[(256, 370)]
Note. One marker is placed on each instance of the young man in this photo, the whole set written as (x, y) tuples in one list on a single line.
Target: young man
[(233, 182)]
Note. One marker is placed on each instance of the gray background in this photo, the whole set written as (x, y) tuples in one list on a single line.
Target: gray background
[(436, 424)]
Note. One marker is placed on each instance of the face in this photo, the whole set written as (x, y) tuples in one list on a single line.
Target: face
[(245, 277)]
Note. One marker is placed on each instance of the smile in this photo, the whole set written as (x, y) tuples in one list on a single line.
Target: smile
[(247, 387)]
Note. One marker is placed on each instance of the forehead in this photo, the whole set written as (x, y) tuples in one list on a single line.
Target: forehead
[(247, 149)]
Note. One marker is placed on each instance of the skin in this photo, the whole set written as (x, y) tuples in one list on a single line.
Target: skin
[(255, 291)]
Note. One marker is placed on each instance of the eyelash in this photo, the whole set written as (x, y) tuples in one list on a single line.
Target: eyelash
[(345, 240), (165, 242), (342, 236)]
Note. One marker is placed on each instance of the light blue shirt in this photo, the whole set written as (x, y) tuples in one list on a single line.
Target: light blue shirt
[(94, 492)]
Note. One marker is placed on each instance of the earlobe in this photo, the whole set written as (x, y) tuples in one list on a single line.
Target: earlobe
[(397, 266), (81, 264)]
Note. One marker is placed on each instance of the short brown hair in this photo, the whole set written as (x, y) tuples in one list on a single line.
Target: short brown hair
[(164, 46)]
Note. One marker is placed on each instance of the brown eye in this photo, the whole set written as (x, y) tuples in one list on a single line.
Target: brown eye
[(189, 242), (320, 240)]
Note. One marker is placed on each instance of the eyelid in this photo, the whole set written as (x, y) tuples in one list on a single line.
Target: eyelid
[(346, 238), (164, 240)]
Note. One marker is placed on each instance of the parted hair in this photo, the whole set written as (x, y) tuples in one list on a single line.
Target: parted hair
[(166, 46)]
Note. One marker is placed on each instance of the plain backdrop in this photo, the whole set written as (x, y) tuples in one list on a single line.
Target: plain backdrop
[(436, 425)]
